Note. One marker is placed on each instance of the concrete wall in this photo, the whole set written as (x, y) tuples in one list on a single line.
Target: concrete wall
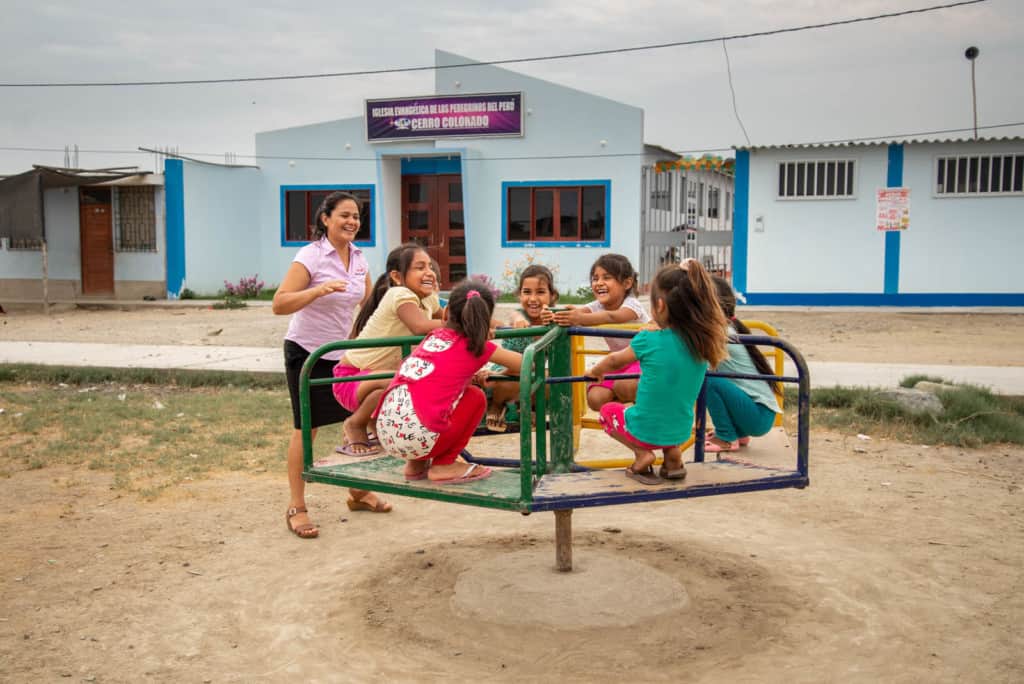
[(145, 266), (960, 244), (60, 210), (221, 225), (957, 251), (815, 245)]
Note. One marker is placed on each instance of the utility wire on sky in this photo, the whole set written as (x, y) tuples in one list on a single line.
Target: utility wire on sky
[(515, 60), (465, 158)]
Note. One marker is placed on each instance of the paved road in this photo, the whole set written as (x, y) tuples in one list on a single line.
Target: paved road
[(1001, 379)]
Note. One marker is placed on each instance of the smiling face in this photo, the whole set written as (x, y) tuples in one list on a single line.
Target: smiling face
[(534, 295), (419, 277), (609, 290), (343, 222)]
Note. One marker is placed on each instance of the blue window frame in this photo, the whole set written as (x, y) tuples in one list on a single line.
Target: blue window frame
[(556, 213), (298, 212)]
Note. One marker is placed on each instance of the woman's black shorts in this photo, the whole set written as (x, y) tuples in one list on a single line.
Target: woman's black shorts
[(324, 408)]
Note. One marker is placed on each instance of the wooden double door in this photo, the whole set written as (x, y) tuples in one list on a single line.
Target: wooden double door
[(432, 215)]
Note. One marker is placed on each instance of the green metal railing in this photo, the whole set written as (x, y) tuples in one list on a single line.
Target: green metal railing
[(551, 351)]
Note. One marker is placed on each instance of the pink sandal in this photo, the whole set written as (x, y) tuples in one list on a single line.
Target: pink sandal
[(712, 448)]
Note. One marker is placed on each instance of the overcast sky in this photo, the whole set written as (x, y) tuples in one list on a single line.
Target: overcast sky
[(891, 76)]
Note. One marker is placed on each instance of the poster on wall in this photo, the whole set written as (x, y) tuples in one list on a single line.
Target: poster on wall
[(892, 209), (445, 116)]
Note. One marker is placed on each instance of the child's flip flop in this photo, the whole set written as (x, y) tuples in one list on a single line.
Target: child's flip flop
[(475, 471), (674, 474), (645, 476), (347, 449)]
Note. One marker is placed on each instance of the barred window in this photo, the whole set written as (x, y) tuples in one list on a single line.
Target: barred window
[(135, 218), (826, 179), (714, 195), (661, 193), (974, 175), (25, 244)]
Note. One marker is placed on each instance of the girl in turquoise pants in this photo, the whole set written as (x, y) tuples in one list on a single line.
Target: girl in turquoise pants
[(740, 409)]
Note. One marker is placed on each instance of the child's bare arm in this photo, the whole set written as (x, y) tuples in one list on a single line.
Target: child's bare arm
[(611, 363), (584, 316), (414, 319), (511, 360)]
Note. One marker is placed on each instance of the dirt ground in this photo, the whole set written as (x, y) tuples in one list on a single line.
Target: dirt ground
[(822, 335), (900, 563)]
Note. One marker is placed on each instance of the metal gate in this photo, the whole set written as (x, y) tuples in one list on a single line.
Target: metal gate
[(685, 214)]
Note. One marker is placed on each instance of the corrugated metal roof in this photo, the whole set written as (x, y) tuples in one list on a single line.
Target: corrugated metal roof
[(880, 141)]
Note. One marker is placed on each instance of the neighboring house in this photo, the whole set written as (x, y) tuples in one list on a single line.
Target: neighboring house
[(806, 231), (565, 187), (687, 213), (104, 238)]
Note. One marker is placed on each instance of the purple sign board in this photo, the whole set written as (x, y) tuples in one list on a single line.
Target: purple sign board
[(445, 116)]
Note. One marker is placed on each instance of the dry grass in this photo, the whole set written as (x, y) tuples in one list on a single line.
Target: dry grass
[(150, 436)]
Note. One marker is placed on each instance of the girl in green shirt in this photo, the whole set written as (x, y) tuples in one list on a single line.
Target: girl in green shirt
[(537, 294), (690, 337)]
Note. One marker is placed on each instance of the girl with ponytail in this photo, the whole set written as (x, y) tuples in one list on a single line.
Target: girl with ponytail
[(740, 409), (690, 337), (430, 410), (402, 302)]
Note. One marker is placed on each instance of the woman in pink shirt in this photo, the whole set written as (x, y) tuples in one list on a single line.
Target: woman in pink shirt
[(429, 411), (328, 279)]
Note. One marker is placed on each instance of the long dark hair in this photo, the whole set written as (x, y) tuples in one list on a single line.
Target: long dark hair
[(470, 308), (619, 267), (727, 300), (541, 272), (327, 206), (399, 259), (693, 310)]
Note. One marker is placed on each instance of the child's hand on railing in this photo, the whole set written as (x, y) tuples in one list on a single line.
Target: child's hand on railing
[(482, 378), (570, 316)]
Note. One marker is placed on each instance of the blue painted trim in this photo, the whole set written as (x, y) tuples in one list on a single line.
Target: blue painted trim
[(466, 230), (894, 179), (174, 225), (503, 218), (882, 299), (372, 242), (379, 215), (431, 166), (740, 220)]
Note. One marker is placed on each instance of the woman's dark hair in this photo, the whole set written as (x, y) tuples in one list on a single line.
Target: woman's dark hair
[(470, 307), (399, 259), (542, 272), (327, 206), (620, 268), (727, 300), (693, 309)]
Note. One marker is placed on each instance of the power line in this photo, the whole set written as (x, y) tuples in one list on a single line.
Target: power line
[(607, 155), (495, 62), (728, 68)]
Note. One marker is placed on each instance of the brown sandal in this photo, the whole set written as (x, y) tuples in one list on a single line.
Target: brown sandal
[(302, 530), (382, 505)]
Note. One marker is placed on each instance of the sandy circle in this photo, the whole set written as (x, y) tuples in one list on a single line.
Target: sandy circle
[(603, 590)]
